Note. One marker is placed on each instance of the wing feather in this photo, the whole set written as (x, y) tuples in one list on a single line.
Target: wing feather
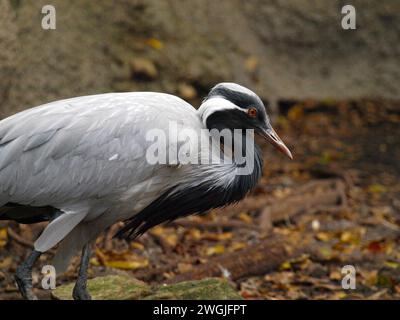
[(81, 148), (11, 150)]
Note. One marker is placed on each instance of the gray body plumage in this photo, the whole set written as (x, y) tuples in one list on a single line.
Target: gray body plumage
[(86, 157)]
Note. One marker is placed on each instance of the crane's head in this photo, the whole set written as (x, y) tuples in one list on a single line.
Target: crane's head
[(232, 106)]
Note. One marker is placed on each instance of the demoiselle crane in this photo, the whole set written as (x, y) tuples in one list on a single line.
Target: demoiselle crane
[(83, 164)]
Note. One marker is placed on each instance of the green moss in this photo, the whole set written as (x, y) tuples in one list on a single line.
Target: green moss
[(113, 287), (121, 287), (206, 289)]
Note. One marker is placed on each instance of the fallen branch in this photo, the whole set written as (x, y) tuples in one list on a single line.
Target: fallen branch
[(255, 260), (329, 195)]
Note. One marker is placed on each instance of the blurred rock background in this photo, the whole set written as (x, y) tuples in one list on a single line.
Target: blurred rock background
[(282, 49)]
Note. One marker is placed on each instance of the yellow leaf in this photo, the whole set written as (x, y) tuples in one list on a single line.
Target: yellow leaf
[(137, 245), (171, 239), (377, 188), (158, 231), (187, 91), (237, 246), (245, 217), (218, 236), (224, 236), (3, 237), (370, 277), (326, 252), (194, 234), (218, 249), (6, 262), (340, 295), (127, 265), (94, 261), (155, 43), (335, 275), (392, 264), (347, 237), (120, 260), (251, 63), (285, 265), (323, 236)]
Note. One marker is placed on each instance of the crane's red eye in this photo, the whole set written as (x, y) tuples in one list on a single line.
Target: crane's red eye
[(252, 112)]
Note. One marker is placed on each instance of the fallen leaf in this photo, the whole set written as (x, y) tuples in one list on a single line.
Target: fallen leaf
[(194, 234), (377, 188), (94, 261), (121, 260), (218, 249), (251, 63), (187, 91), (392, 264), (285, 265), (245, 217), (339, 295), (136, 245), (324, 236), (127, 265), (217, 236), (155, 43), (376, 246), (335, 275), (237, 246), (349, 237), (143, 68), (3, 237), (6, 262), (370, 277)]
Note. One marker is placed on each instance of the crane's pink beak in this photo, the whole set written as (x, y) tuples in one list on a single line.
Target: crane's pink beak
[(277, 142)]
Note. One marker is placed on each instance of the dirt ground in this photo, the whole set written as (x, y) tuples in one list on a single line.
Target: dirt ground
[(337, 203)]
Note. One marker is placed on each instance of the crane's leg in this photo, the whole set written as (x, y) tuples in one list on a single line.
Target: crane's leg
[(23, 276), (80, 291)]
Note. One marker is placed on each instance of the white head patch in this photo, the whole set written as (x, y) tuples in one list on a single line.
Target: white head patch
[(236, 87), (215, 104)]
